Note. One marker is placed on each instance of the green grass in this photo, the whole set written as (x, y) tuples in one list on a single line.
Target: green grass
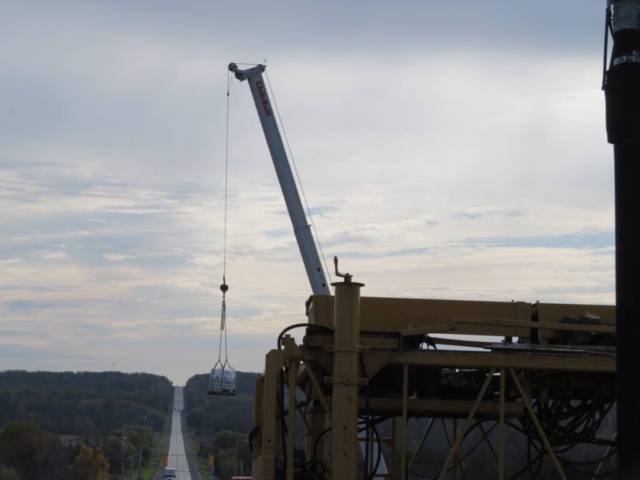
[(202, 466), (154, 461)]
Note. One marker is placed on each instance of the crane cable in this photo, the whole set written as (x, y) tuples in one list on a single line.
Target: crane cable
[(295, 167), (224, 287)]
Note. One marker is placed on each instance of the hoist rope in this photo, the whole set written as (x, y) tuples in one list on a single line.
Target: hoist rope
[(223, 328), (226, 178), (224, 287), (295, 167)]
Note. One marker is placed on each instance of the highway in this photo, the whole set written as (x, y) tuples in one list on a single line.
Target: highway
[(177, 454)]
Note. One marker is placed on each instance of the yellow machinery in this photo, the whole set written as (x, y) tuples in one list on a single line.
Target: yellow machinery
[(364, 357)]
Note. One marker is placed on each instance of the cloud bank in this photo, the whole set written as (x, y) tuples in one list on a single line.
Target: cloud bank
[(447, 151)]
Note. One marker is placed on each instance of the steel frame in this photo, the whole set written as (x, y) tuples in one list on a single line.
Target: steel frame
[(313, 371)]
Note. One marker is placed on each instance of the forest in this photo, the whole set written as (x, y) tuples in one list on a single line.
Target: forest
[(220, 423), (66, 425)]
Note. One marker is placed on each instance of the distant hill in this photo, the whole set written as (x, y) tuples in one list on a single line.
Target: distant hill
[(208, 414), (59, 401), (69, 426)]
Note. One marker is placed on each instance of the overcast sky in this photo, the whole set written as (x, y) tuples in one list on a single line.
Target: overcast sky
[(447, 149)]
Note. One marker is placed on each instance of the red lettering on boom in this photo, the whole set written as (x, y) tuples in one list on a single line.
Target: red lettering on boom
[(263, 99)]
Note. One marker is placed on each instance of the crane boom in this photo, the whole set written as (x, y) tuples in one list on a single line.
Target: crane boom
[(301, 226)]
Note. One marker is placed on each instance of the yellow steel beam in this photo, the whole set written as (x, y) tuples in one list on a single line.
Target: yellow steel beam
[(501, 425), (318, 390), (500, 322), (519, 361), (291, 416), (442, 328), (421, 443), (434, 407), (394, 425), (403, 448), (492, 449), (536, 423), (467, 423), (269, 416), (345, 376), (396, 314), (460, 343), (597, 474), (304, 419)]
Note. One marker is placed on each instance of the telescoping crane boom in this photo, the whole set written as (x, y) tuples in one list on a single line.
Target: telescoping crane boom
[(301, 226)]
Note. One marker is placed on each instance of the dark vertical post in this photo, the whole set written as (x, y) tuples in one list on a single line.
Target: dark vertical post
[(622, 93)]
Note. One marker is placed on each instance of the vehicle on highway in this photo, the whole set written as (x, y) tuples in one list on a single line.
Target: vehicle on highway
[(170, 474)]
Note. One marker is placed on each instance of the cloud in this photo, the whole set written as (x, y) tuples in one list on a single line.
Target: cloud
[(115, 257), (470, 168), (55, 255), (474, 213), (11, 261), (581, 240)]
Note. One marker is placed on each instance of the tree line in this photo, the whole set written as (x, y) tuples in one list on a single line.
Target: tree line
[(220, 424), (66, 425)]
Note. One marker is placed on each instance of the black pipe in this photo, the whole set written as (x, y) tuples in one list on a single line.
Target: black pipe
[(622, 94)]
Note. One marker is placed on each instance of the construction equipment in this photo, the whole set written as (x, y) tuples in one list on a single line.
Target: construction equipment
[(398, 378), (301, 228), (369, 360)]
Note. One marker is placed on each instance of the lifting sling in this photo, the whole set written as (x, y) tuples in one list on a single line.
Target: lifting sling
[(222, 380)]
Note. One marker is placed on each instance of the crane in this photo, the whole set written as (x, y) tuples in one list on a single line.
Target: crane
[(408, 381), (301, 227)]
